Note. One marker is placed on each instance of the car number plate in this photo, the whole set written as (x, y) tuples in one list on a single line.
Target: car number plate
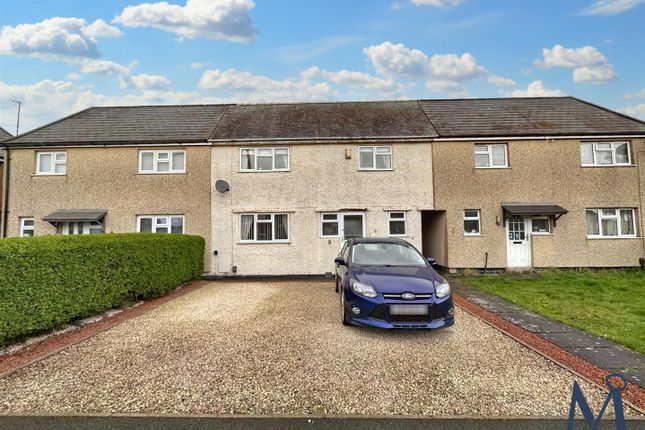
[(408, 309)]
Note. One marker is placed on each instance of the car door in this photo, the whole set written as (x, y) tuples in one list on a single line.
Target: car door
[(340, 269)]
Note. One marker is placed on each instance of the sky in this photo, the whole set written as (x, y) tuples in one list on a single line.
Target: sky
[(58, 57)]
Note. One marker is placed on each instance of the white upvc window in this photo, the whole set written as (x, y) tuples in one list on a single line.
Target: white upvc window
[(81, 227), (162, 161), (397, 224), (612, 223), (541, 225), (491, 156), (27, 227), (264, 159), (329, 225), (472, 222), (161, 224), (374, 158), (51, 163), (264, 227), (605, 154)]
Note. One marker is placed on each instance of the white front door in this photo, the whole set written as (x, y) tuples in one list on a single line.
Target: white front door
[(352, 225), (518, 241)]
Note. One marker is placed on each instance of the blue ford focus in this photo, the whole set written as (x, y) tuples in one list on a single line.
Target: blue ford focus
[(387, 283)]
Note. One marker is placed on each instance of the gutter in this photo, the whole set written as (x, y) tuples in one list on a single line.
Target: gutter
[(5, 192), (539, 137)]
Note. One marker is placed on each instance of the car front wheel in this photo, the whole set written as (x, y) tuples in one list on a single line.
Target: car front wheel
[(343, 312)]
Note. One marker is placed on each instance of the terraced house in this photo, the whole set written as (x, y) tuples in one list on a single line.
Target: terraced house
[(276, 188)]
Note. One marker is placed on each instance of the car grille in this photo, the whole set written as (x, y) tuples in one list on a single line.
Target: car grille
[(398, 296), (379, 314)]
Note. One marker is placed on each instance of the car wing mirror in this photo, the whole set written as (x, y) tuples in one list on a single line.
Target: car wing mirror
[(432, 261), (340, 261)]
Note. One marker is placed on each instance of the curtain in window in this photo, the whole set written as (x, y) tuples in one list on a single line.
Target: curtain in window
[(627, 222), (281, 227), (499, 155), (622, 156), (366, 159), (281, 158), (248, 159), (592, 223), (246, 229), (586, 153), (177, 225)]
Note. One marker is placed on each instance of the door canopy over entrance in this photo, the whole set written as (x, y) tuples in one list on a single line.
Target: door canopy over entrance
[(533, 209)]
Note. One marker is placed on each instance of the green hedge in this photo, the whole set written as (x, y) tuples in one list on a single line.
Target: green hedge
[(51, 280)]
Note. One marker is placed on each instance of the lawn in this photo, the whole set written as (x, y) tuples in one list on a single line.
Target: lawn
[(609, 303)]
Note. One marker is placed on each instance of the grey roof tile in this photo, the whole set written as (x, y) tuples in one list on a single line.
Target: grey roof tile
[(4, 134), (543, 116), (129, 124), (324, 121)]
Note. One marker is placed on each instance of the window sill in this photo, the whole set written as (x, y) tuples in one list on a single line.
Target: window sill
[(264, 242), (607, 165), (612, 237), (492, 168), (48, 174), (264, 171), (472, 235), (374, 170), (542, 234), (161, 173)]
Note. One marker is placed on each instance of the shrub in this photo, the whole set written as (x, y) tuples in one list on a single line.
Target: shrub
[(51, 280)]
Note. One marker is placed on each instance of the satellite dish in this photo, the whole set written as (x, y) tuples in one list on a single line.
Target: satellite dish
[(222, 186)]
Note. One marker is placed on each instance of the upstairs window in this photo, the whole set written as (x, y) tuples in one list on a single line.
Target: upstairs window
[(51, 163), (611, 223), (162, 161), (264, 227), (491, 156), (472, 222), (605, 154), (375, 158), (161, 224), (264, 159), (396, 221), (27, 227)]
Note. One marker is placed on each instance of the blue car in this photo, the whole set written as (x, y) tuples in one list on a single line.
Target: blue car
[(387, 283)]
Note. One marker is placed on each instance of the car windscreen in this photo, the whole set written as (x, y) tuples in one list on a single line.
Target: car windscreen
[(386, 254)]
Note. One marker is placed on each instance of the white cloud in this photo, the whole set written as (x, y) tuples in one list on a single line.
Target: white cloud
[(145, 81), (535, 89), (437, 3), (611, 7), (73, 76), (48, 100), (637, 111), (255, 88), (100, 28), (588, 63), (358, 80), (637, 95), (197, 66), (500, 81), (57, 38), (442, 72), (103, 67), (214, 19)]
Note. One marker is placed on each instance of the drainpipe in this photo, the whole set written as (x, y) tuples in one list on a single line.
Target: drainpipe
[(5, 193), (640, 193)]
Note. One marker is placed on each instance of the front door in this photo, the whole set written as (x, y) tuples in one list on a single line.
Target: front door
[(353, 225), (518, 246)]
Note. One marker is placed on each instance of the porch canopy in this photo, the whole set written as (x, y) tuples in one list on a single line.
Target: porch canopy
[(75, 215), (533, 209)]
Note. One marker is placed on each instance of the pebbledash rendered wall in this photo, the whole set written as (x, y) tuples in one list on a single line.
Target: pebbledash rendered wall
[(540, 171), (321, 179), (108, 178)]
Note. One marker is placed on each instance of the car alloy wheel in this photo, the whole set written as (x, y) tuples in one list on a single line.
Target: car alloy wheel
[(343, 313)]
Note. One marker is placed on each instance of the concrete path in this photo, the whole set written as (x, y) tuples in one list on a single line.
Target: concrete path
[(603, 353)]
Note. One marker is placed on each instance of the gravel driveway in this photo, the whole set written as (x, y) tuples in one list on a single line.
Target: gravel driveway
[(278, 347)]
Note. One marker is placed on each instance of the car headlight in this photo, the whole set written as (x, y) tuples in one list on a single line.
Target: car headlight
[(362, 289), (442, 290)]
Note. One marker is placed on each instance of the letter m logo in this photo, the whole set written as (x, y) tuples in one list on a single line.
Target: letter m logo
[(592, 422)]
